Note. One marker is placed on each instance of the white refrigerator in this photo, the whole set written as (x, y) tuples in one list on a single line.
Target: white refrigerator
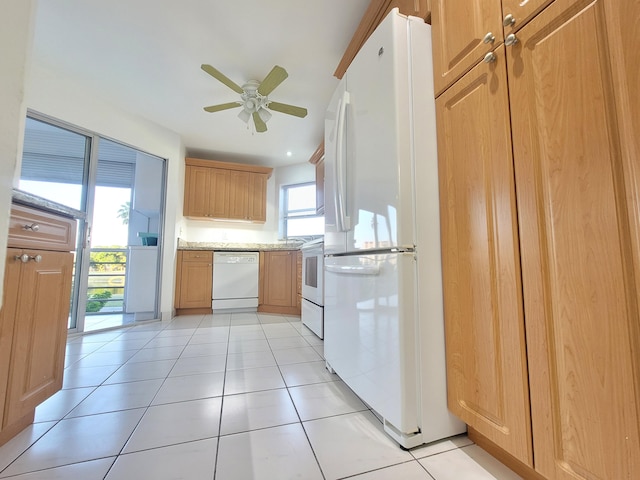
[(384, 331)]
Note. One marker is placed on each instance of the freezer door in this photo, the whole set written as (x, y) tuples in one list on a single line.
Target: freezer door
[(370, 332)]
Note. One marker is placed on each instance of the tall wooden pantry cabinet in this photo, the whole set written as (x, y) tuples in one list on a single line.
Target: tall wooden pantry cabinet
[(538, 111)]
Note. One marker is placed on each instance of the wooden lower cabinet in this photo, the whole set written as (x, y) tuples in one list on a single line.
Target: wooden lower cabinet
[(541, 292), (194, 281), (278, 282), (39, 335), (576, 132), (35, 314), (484, 322)]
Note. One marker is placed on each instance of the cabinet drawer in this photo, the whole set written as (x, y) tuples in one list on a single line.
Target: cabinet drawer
[(32, 228), (197, 256)]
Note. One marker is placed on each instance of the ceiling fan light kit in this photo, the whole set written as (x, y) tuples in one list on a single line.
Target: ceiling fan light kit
[(254, 97)]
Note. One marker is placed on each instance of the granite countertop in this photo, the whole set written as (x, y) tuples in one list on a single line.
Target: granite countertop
[(237, 247), (31, 200)]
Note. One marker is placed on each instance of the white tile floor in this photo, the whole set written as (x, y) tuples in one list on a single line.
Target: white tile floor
[(234, 396)]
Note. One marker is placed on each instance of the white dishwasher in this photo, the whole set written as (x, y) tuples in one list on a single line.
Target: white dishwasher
[(235, 281)]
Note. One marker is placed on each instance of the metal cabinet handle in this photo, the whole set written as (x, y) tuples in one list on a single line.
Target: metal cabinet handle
[(489, 38), (509, 20), (24, 258), (510, 40), (489, 57), (34, 227)]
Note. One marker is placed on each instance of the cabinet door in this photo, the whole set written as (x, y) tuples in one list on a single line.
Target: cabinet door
[(484, 324), (257, 198), (196, 277), (459, 27), (196, 194), (521, 11), (572, 151), (7, 317), (239, 194), (219, 193), (279, 279), (40, 336)]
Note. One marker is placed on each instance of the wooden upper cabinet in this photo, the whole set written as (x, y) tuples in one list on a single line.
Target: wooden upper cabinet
[(239, 183), (462, 32), (221, 190), (484, 323), (521, 12), (573, 81), (258, 197), (459, 29), (196, 191)]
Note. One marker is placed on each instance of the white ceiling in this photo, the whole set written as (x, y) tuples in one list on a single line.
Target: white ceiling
[(145, 57)]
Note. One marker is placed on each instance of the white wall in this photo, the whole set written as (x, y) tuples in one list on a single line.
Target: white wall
[(237, 232), (16, 39), (65, 100)]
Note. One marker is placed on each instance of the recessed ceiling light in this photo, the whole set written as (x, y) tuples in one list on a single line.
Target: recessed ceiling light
[(289, 154)]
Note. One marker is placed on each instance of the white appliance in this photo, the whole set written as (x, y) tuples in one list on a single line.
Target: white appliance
[(141, 282), (312, 314), (383, 309), (235, 281)]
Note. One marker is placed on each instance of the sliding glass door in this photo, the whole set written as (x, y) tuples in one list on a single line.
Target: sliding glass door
[(120, 191)]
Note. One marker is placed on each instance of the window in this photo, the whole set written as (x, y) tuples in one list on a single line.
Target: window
[(299, 211)]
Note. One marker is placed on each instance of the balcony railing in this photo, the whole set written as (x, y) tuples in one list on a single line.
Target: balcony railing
[(107, 273)]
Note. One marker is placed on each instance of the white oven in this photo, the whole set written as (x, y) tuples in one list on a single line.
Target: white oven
[(313, 286)]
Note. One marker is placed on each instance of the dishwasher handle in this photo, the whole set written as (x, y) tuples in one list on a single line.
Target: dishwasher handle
[(235, 257)]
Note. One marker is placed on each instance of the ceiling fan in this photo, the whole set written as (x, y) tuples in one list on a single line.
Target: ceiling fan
[(254, 97)]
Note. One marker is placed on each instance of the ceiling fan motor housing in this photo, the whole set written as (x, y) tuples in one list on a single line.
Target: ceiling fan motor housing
[(252, 100)]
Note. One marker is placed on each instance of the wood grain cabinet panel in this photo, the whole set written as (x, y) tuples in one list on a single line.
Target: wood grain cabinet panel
[(219, 193), (7, 323), (223, 190), (239, 184), (464, 31), (31, 228), (485, 345), (40, 332), (196, 193), (258, 198), (574, 116), (278, 282), (572, 162), (459, 28), (35, 313), (194, 279)]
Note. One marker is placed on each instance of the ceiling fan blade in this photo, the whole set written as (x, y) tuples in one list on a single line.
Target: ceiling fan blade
[(274, 78), (222, 106), (260, 125), (221, 77), (288, 109)]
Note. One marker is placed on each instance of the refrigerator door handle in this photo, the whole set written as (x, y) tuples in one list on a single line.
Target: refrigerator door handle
[(354, 269), (342, 220)]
